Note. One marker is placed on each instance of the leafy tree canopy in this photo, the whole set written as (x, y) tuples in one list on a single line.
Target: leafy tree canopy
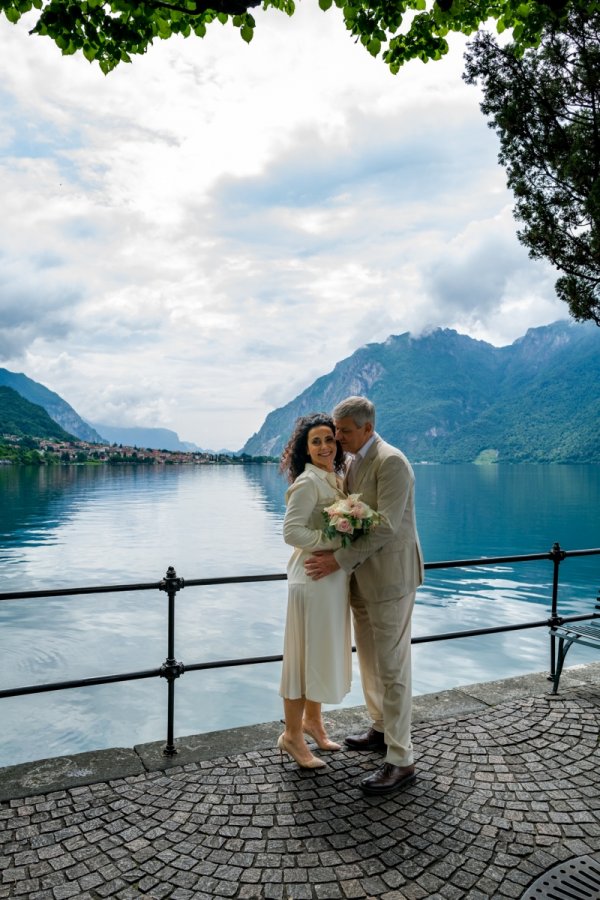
[(545, 107), (112, 31)]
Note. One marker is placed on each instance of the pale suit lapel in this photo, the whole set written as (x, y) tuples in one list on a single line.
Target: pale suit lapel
[(352, 475), (361, 468)]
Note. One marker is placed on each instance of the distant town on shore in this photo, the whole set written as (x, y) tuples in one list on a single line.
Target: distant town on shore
[(16, 450)]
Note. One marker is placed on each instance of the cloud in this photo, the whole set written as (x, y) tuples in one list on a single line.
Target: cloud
[(473, 271), (483, 278), (199, 235), (33, 303)]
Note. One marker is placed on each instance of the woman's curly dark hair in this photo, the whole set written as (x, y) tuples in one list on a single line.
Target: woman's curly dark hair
[(295, 455)]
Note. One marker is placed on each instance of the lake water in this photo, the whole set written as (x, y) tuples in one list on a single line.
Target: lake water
[(80, 525)]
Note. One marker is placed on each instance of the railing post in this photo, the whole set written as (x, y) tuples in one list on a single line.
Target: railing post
[(556, 555), (171, 669)]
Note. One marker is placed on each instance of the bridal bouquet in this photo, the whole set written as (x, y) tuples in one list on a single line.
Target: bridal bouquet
[(348, 519)]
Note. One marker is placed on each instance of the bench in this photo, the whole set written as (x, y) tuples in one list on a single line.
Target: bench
[(569, 633)]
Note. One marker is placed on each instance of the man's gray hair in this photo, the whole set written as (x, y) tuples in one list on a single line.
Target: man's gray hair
[(359, 409)]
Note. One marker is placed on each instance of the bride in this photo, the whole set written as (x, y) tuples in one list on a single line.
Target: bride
[(317, 652)]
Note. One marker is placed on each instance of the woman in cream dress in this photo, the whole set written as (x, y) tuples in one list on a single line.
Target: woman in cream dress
[(317, 653)]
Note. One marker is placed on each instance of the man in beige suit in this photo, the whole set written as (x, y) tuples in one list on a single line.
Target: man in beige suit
[(386, 566)]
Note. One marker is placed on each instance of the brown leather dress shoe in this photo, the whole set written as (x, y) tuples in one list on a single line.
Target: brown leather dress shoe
[(368, 740), (388, 779)]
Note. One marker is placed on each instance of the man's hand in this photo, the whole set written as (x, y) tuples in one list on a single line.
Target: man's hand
[(321, 564)]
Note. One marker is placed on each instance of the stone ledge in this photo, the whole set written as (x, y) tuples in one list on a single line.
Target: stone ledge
[(44, 775), (58, 774)]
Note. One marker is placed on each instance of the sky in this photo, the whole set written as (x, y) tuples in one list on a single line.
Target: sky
[(192, 240)]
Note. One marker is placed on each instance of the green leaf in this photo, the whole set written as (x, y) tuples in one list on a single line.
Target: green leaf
[(13, 15), (113, 26)]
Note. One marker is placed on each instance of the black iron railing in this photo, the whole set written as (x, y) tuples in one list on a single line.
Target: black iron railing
[(171, 584)]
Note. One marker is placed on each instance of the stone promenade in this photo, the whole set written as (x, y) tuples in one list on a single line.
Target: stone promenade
[(508, 788)]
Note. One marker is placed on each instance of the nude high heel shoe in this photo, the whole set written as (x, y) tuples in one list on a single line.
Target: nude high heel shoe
[(313, 763), (327, 745)]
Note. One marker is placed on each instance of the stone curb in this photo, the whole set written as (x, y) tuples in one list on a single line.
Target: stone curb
[(47, 775)]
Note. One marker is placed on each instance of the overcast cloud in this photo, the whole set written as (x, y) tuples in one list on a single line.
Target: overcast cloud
[(193, 239)]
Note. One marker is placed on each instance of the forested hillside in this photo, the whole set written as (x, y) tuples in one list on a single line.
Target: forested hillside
[(21, 418), (57, 408), (444, 397)]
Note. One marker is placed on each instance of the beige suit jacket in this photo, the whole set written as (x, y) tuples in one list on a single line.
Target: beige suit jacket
[(388, 561)]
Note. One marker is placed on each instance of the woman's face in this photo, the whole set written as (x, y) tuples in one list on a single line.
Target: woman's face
[(322, 447)]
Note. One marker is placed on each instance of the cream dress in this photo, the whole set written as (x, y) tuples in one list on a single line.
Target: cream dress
[(317, 649)]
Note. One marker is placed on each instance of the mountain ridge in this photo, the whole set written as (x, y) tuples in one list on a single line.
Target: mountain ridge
[(447, 397), (57, 408), (71, 422), (21, 418), (138, 436)]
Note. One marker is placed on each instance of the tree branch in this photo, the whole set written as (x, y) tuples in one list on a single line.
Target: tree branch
[(231, 7)]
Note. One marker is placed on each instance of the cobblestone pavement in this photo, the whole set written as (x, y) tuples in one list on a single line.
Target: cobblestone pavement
[(501, 797)]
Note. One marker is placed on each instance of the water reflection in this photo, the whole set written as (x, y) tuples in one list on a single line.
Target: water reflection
[(505, 510), (31, 503), (271, 484)]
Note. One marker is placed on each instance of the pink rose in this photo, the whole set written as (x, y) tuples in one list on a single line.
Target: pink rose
[(344, 526)]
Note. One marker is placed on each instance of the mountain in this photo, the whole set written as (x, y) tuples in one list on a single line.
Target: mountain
[(150, 438), (57, 408), (20, 417), (445, 397)]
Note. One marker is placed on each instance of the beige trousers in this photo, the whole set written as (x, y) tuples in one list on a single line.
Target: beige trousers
[(382, 634)]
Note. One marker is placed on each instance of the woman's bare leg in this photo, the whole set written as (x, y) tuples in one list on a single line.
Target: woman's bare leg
[(313, 725), (293, 735)]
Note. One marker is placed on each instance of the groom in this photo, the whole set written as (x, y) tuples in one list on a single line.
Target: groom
[(386, 566)]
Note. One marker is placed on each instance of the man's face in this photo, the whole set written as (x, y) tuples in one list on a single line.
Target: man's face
[(352, 436)]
